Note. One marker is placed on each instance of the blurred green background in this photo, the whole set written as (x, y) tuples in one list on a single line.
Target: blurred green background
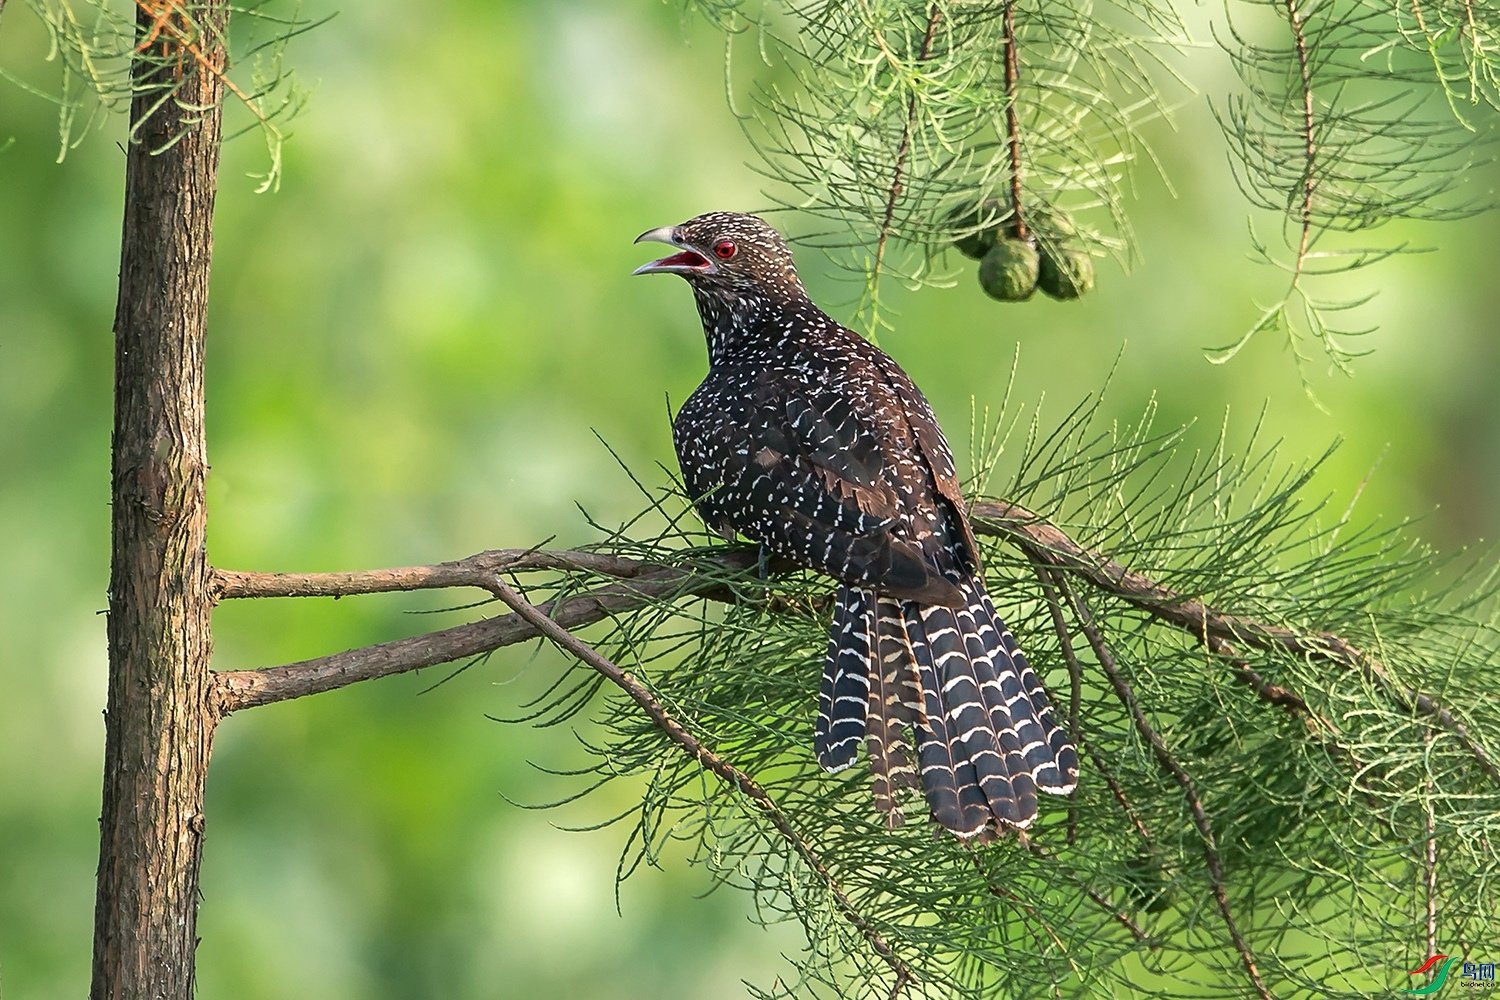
[(412, 345)]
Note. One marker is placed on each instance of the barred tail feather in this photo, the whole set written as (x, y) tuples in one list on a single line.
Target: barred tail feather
[(954, 682), (950, 785), (845, 693), (1004, 708), (894, 711), (951, 684), (989, 710), (1053, 763)]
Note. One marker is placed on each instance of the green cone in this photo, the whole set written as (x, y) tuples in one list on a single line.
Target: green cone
[(1008, 271), (1068, 275), (978, 242)]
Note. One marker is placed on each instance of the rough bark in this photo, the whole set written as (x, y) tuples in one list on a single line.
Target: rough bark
[(159, 726)]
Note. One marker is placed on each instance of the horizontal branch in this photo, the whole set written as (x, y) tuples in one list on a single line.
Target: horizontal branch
[(237, 689), (639, 583), (1043, 541), (475, 571)]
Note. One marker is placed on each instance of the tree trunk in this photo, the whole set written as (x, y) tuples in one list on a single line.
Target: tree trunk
[(159, 726)]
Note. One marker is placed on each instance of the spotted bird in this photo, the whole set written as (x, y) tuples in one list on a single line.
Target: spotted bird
[(810, 440)]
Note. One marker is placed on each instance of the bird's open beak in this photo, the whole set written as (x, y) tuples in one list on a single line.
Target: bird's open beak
[(687, 261)]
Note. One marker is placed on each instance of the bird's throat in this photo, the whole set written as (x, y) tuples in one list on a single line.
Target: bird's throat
[(731, 321), (743, 320)]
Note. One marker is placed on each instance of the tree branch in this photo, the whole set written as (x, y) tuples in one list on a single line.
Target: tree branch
[(238, 689), (1309, 133), (475, 571), (1075, 678), (934, 15), (1097, 897), (1184, 781), (1042, 541), (1075, 685), (1038, 539), (1002, 892), (731, 775), (1013, 121)]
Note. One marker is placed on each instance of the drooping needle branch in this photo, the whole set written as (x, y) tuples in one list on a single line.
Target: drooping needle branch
[(1169, 762), (1047, 543), (903, 148), (549, 627), (639, 583)]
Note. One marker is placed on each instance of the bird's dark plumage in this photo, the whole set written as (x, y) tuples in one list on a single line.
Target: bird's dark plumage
[(812, 441)]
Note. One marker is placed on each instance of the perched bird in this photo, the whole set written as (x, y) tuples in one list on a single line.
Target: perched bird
[(810, 440)]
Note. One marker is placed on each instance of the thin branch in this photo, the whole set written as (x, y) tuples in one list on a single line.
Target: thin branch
[(731, 775), (1001, 892), (1075, 675), (1184, 781), (1038, 539), (1013, 121), (1273, 694), (1118, 792), (239, 689), (1430, 864), (475, 571), (1098, 898), (1309, 134), (1075, 684), (1318, 726), (1041, 540), (903, 149)]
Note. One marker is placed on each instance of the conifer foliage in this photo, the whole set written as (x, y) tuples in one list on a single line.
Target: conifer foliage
[(1286, 728), (1288, 723), (916, 127)]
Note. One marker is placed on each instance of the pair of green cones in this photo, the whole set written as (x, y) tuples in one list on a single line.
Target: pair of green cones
[(1012, 267)]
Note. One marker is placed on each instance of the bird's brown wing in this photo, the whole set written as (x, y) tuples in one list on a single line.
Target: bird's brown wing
[(934, 450), (817, 478)]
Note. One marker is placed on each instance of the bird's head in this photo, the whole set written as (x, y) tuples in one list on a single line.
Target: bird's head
[(726, 255)]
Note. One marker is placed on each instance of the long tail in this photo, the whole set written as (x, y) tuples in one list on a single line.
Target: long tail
[(954, 681), (845, 692)]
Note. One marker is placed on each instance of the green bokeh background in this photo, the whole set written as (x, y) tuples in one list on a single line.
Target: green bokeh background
[(413, 344)]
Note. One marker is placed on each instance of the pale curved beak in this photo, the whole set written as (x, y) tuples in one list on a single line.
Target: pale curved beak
[(666, 234), (687, 261)]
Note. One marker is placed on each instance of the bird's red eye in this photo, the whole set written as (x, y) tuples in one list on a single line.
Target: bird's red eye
[(724, 249)]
